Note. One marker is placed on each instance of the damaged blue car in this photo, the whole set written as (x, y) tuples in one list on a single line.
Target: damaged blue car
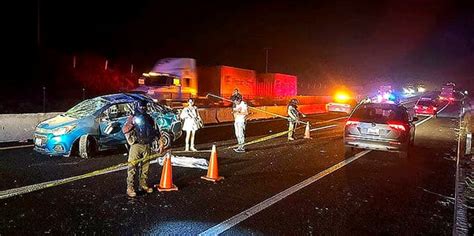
[(96, 124)]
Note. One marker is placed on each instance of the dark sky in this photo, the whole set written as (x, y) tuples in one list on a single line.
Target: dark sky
[(316, 40)]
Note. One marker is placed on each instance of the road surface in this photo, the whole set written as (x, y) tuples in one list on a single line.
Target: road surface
[(372, 193)]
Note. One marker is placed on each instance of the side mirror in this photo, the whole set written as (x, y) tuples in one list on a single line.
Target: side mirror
[(414, 119)]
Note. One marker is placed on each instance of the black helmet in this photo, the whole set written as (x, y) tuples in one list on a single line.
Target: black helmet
[(294, 101), (141, 106)]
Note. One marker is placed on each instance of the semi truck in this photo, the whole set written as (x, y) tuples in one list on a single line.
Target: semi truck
[(170, 79), (177, 79)]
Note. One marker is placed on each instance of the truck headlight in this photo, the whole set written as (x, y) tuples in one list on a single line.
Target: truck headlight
[(63, 130)]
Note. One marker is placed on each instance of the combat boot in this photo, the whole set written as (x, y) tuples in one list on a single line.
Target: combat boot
[(147, 189), (131, 192)]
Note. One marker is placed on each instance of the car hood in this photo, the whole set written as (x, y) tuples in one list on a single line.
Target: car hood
[(56, 122)]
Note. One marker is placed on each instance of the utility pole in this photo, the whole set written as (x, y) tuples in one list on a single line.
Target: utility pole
[(266, 59), (38, 26)]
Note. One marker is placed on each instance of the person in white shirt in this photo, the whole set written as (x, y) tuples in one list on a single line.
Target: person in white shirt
[(240, 112), (192, 122), (294, 116)]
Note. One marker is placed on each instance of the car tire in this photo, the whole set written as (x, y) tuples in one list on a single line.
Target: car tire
[(87, 146), (403, 154), (348, 151), (166, 139)]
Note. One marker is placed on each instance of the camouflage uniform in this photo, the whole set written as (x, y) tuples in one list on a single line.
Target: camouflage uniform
[(138, 151), (140, 131), (294, 116)]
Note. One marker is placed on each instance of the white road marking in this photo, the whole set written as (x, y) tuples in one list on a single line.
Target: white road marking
[(16, 147), (324, 127), (229, 223)]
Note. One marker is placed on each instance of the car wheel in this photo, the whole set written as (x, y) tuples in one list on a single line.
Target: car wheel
[(87, 146), (166, 139), (403, 154), (348, 151)]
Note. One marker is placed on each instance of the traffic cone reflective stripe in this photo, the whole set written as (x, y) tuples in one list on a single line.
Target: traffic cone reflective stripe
[(307, 131), (166, 182), (212, 170)]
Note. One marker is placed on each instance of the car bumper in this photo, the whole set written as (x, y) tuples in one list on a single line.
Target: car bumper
[(49, 144), (422, 112), (338, 107), (392, 146)]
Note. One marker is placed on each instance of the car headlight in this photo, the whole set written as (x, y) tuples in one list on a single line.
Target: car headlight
[(63, 130)]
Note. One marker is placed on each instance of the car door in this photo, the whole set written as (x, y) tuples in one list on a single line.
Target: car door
[(111, 123)]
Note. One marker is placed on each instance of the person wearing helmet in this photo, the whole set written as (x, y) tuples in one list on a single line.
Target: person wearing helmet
[(294, 116), (141, 132)]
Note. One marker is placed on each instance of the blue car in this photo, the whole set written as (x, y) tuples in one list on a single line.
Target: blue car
[(95, 125)]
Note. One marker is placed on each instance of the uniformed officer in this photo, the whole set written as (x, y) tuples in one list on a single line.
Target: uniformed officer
[(294, 116), (140, 131)]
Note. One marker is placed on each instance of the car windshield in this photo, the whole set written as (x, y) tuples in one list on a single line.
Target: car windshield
[(161, 80), (379, 113), (86, 108), (425, 103)]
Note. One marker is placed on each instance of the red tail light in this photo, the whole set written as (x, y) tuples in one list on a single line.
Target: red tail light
[(397, 125), (352, 122), (451, 99), (435, 108)]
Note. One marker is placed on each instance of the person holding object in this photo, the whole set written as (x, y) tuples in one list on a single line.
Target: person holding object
[(294, 116), (240, 112), (192, 122), (141, 132)]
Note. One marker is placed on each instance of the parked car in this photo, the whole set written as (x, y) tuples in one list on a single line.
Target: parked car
[(95, 125)]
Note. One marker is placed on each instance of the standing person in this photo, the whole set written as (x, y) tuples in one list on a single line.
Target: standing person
[(294, 117), (140, 131), (240, 112), (235, 95), (192, 122)]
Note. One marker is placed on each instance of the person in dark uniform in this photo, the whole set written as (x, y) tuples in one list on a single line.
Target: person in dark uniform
[(140, 131)]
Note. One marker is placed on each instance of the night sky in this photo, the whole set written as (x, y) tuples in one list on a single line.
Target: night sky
[(317, 41)]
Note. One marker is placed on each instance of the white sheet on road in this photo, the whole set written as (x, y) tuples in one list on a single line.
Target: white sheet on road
[(189, 162)]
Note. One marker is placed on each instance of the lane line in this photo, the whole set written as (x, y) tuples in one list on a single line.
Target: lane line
[(16, 147), (229, 223), (324, 127)]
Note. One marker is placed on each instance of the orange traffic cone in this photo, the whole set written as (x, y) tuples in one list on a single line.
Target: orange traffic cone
[(166, 182), (307, 131), (212, 170)]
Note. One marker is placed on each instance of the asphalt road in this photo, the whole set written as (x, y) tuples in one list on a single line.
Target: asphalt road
[(377, 193)]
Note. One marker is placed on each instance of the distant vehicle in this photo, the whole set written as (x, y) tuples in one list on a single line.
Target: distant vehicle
[(426, 106), (95, 125), (421, 88), (447, 93), (380, 126), (409, 90), (342, 102), (170, 78)]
